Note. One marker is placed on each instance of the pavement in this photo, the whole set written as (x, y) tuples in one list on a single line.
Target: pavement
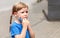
[(40, 25)]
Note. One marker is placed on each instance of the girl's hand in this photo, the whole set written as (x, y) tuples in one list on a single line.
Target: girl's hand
[(25, 22)]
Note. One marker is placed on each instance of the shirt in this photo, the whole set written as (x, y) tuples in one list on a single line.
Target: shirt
[(16, 29)]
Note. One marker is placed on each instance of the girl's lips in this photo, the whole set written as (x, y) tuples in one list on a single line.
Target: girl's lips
[(26, 17)]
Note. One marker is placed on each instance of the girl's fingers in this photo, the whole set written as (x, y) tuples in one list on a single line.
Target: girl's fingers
[(23, 20)]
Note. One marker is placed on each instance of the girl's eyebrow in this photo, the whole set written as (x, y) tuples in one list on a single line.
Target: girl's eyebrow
[(24, 11), (20, 11)]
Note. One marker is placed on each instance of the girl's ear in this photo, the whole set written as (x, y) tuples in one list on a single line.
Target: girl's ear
[(15, 13)]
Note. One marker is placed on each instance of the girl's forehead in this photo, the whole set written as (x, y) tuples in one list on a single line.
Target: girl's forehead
[(23, 9)]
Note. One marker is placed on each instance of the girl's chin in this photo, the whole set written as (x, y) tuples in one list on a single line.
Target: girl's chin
[(25, 18)]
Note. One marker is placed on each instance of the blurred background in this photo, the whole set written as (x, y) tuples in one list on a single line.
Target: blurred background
[(44, 16)]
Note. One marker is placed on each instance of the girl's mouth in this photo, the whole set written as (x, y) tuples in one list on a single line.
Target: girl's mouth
[(26, 17)]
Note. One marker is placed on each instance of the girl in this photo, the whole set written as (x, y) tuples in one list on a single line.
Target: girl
[(20, 28)]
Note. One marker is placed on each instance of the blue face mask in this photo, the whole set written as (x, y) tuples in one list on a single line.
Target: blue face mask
[(20, 19)]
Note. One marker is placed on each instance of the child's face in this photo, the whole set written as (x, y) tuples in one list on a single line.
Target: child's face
[(23, 13)]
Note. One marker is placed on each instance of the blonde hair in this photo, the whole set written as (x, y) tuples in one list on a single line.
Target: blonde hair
[(17, 7)]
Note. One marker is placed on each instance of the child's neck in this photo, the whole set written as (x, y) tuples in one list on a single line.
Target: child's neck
[(17, 21)]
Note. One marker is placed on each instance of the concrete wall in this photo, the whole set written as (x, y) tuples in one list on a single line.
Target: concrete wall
[(54, 10)]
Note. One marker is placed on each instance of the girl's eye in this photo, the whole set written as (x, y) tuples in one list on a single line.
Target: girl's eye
[(26, 11), (22, 12)]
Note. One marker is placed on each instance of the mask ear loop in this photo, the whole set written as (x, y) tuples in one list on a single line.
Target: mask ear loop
[(20, 19)]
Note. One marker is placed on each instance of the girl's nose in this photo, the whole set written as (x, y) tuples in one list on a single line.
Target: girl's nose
[(25, 13)]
